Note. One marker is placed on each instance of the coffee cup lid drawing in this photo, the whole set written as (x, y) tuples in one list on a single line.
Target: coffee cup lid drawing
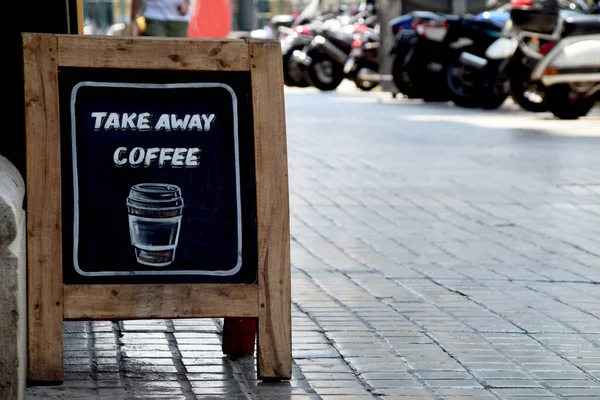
[(155, 211)]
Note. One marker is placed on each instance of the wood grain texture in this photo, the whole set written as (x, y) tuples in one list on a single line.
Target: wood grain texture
[(101, 302), (44, 231), (152, 53), (274, 296), (80, 20)]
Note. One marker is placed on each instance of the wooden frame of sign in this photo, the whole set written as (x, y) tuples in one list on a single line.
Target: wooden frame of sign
[(50, 300)]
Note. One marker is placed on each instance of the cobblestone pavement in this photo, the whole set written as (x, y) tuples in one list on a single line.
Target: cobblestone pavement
[(438, 253)]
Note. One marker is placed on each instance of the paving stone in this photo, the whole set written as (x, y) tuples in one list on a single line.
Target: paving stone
[(343, 397), (534, 397), (433, 375), (319, 376), (342, 391), (573, 383), (522, 392), (350, 383), (419, 397), (512, 383), (223, 392), (404, 392), (407, 382), (574, 392), (453, 383)]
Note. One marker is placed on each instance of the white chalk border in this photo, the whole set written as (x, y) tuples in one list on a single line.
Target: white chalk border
[(229, 272)]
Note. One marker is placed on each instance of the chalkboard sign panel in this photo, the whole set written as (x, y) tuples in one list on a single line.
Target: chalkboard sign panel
[(156, 182), (157, 188)]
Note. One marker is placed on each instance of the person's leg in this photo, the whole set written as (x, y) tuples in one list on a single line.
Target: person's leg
[(178, 29), (156, 28)]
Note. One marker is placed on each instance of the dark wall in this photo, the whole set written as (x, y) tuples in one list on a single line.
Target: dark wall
[(42, 16), (474, 6), (430, 5)]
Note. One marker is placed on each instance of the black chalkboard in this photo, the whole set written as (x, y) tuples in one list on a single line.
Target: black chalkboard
[(158, 177)]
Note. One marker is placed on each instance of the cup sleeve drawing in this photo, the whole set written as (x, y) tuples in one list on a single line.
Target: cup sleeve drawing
[(155, 211)]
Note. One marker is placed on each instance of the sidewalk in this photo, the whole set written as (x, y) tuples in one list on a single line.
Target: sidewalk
[(437, 253)]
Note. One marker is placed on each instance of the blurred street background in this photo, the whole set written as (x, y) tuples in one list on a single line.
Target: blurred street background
[(438, 253), (444, 221), (247, 15)]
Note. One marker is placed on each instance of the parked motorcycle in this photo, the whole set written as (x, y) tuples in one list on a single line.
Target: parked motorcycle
[(362, 65), (295, 39), (569, 68), (295, 36), (324, 58), (422, 50), (475, 75), (416, 51)]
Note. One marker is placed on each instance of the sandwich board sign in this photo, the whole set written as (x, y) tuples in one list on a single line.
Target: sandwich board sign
[(157, 188)]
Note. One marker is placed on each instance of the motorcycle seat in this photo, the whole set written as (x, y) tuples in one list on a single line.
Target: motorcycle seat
[(426, 15), (581, 25), (473, 22), (338, 35)]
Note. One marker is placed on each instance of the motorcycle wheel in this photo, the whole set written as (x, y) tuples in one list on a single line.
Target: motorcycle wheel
[(493, 100), (469, 93), (365, 86), (462, 91), (293, 75), (432, 92), (325, 74), (399, 76), (563, 105), (495, 93), (528, 95), (528, 100)]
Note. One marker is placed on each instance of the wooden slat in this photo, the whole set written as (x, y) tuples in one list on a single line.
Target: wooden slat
[(80, 20), (44, 235), (274, 296), (101, 302), (152, 53)]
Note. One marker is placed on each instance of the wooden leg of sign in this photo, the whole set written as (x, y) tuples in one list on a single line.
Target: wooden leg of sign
[(274, 348), (239, 336), (44, 240)]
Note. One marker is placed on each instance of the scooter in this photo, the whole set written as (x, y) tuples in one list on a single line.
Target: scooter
[(516, 65), (528, 94), (570, 71)]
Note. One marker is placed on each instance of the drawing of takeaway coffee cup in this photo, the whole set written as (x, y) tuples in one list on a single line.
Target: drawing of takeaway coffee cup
[(155, 211)]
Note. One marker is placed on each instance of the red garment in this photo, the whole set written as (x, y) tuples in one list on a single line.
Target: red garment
[(211, 19)]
